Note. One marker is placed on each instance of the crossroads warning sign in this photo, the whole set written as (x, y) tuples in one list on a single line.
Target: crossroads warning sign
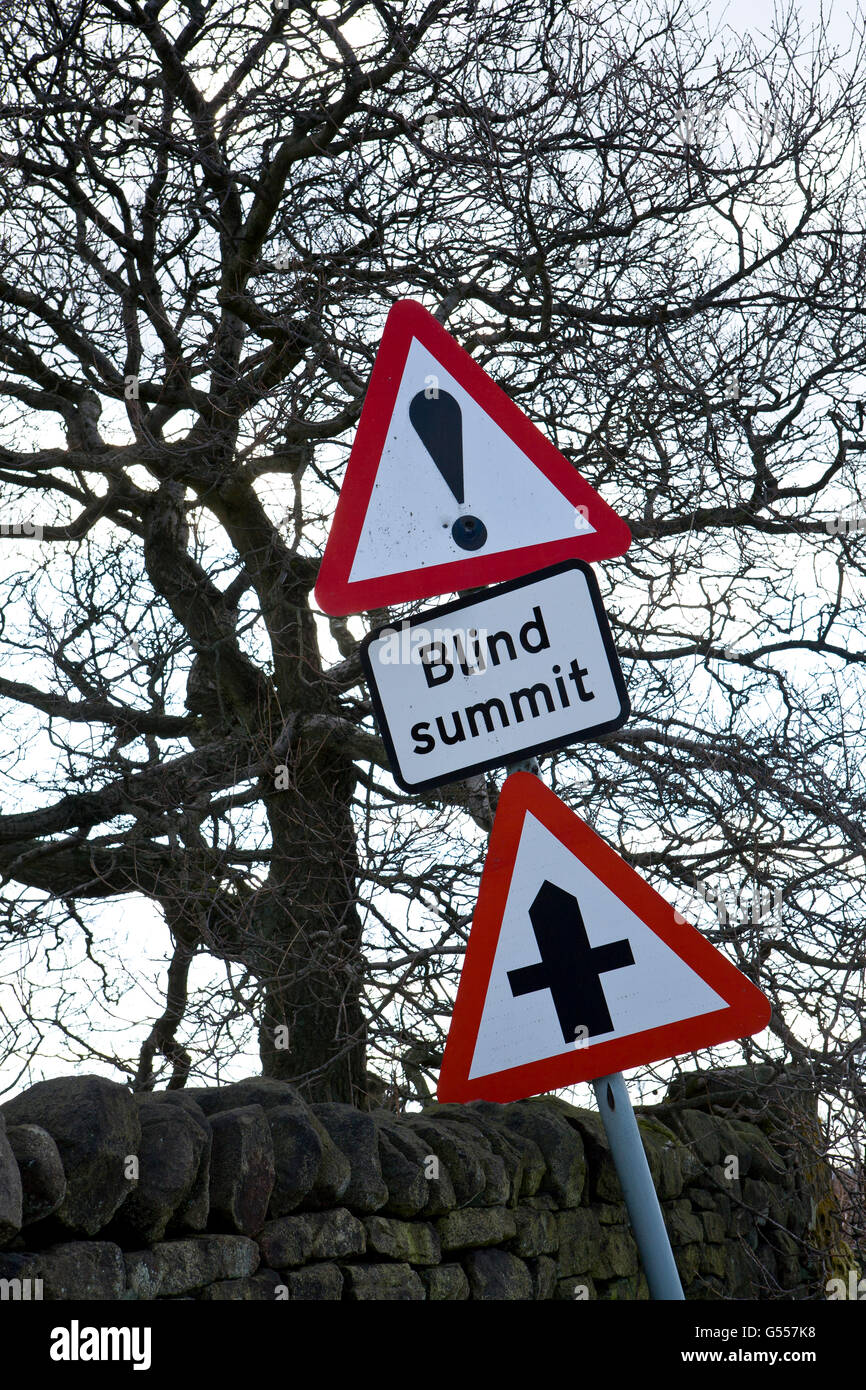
[(576, 967)]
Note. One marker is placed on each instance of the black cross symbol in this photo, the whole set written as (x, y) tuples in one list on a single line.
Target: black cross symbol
[(569, 967)]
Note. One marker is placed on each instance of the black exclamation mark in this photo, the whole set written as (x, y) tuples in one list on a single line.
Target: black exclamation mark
[(437, 421)]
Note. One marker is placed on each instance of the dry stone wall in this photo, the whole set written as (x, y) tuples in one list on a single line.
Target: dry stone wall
[(246, 1192)]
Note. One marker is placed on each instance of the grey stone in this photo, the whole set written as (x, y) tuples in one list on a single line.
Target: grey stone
[(412, 1242), (723, 1205), (43, 1181), (701, 1133), (322, 1283), (718, 1184), (580, 1290), (780, 1205), (511, 1148), (445, 1283), (799, 1213), (631, 1288), (732, 1143), (458, 1152), (297, 1157), (497, 1182), (579, 1237), (440, 1196), (241, 1169), (790, 1276), (498, 1189), (354, 1134), (744, 1223), (259, 1288), (335, 1171), (476, 1226), (333, 1174), (757, 1197), (785, 1243), (683, 1226), (182, 1266), (603, 1184), (173, 1145), (767, 1094), (542, 1201), (383, 1283), (712, 1289), (498, 1185), (714, 1227), (612, 1214), (265, 1091), (652, 1122), (11, 1195), (542, 1272), (616, 1255), (688, 1263), (788, 1251), (496, 1275), (712, 1261), (693, 1168), (74, 1271), (726, 1088), (536, 1232), (191, 1216), (19, 1270), (494, 1116), (662, 1148), (403, 1177), (312, 1235), (758, 1158), (95, 1126), (560, 1144)]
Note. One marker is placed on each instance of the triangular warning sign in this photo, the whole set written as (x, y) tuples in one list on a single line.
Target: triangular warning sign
[(449, 485), (576, 967)]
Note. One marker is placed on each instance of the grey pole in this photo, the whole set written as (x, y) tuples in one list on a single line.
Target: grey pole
[(639, 1191)]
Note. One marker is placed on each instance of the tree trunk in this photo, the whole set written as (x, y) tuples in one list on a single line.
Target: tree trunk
[(305, 935)]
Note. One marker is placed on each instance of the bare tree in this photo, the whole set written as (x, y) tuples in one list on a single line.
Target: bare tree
[(653, 237)]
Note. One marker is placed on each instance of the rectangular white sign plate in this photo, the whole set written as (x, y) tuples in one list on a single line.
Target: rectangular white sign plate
[(520, 670)]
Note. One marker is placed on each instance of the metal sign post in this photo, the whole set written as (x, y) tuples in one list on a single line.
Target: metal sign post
[(638, 1188)]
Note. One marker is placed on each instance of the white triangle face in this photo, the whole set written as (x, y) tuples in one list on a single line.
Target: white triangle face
[(411, 509), (659, 988)]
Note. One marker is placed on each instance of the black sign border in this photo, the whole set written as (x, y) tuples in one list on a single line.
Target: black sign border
[(533, 750)]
